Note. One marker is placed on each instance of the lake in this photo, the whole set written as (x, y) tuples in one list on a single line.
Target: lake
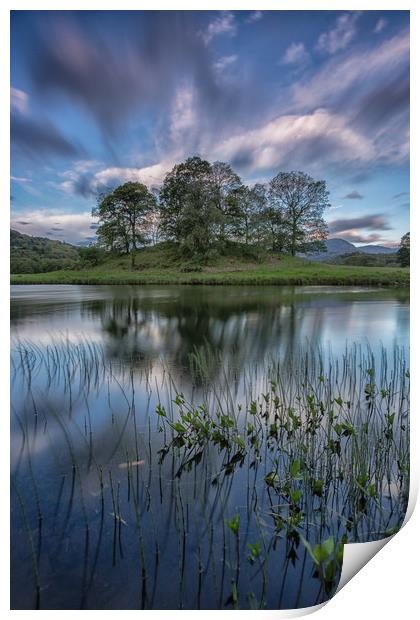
[(202, 447)]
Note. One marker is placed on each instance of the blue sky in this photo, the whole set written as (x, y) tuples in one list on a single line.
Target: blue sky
[(99, 98)]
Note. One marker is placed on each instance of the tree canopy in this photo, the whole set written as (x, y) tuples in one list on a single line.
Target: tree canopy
[(124, 218), (296, 204), (404, 251)]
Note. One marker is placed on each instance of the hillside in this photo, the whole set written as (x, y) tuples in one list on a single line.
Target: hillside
[(39, 255), (162, 264), (341, 247)]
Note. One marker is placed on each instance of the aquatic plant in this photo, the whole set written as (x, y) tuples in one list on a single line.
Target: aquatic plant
[(245, 491)]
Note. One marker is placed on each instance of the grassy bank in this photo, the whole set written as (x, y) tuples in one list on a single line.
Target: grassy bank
[(162, 265)]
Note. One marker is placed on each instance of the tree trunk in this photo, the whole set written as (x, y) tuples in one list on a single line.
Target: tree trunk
[(133, 246)]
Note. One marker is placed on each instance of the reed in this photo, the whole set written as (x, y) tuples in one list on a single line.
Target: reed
[(256, 483)]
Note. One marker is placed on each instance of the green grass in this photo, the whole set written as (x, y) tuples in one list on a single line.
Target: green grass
[(162, 264)]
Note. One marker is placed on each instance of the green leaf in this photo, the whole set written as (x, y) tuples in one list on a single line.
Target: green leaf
[(318, 487), (271, 479), (309, 549), (161, 411), (295, 496), (233, 524), (318, 554), (295, 468), (328, 546)]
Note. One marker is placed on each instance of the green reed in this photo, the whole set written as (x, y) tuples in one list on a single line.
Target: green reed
[(319, 444)]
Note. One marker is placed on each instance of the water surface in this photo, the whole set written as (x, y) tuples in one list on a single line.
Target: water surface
[(97, 521)]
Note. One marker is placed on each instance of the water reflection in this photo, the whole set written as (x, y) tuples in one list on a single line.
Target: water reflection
[(240, 324)]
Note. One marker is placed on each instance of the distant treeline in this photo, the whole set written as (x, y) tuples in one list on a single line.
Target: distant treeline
[(203, 206), (360, 259)]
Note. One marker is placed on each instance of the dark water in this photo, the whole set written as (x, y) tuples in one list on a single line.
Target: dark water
[(98, 521)]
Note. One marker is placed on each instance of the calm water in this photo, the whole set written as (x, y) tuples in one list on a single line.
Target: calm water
[(98, 521)]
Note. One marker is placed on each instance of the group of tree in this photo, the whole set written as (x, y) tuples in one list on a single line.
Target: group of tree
[(203, 206)]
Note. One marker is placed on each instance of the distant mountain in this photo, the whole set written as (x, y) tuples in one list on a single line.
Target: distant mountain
[(341, 247), (38, 254), (375, 249)]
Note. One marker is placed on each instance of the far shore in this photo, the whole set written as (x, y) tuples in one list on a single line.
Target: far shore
[(293, 273)]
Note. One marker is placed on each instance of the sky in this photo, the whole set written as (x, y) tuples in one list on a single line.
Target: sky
[(99, 98)]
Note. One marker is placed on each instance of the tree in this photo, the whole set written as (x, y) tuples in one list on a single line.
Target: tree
[(251, 225), (91, 255), (188, 214), (403, 253), (227, 190), (123, 217), (296, 206)]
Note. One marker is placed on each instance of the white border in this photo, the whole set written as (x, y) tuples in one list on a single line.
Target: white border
[(387, 586)]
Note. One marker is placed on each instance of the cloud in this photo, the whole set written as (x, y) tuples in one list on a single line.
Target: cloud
[(184, 115), (44, 222), (296, 54), (19, 100), (355, 237), (225, 61), (23, 180), (401, 194), (224, 24), (344, 80), (339, 37), (370, 89), (380, 25), (294, 140), (161, 92), (255, 16), (354, 195), (115, 79), (96, 182), (40, 138), (366, 222)]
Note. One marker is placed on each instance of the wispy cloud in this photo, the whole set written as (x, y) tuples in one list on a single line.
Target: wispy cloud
[(354, 195), (255, 16), (294, 140), (346, 79), (94, 183), (19, 100), (356, 237), (42, 222), (380, 25), (296, 54), (94, 109), (23, 180), (368, 222), (37, 139), (224, 24), (225, 61), (339, 37)]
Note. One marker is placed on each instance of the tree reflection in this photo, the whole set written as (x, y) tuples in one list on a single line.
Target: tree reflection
[(216, 326)]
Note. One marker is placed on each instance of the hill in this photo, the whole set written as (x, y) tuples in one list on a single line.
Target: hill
[(341, 247), (39, 255), (239, 264)]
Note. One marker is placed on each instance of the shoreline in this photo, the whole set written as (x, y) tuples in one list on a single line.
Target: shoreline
[(337, 276)]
